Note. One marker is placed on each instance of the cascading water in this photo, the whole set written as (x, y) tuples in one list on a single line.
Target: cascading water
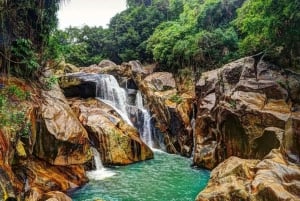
[(109, 92), (145, 130), (97, 159), (100, 173), (193, 124), (108, 89)]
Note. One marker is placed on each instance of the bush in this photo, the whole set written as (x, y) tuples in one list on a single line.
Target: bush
[(176, 99)]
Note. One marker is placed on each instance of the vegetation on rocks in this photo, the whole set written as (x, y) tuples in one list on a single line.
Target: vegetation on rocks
[(200, 35)]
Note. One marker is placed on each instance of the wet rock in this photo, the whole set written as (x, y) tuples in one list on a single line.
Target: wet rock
[(49, 131), (8, 183), (245, 113), (60, 128), (117, 142), (55, 196), (44, 180), (170, 109), (273, 178)]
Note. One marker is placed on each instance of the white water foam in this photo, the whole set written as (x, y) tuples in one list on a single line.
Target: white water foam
[(100, 173)]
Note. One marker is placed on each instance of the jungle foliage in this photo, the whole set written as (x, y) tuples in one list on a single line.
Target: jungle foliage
[(200, 34), (25, 27), (191, 33)]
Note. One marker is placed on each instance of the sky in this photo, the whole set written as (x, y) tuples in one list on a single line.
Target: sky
[(88, 12)]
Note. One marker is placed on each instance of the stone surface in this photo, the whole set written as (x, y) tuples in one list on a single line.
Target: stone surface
[(273, 178), (55, 196), (24, 175), (291, 139), (79, 85), (62, 68), (106, 63), (60, 128), (161, 81), (44, 180), (245, 111), (171, 110), (117, 142)]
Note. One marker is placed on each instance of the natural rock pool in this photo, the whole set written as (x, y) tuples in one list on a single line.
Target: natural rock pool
[(165, 178)]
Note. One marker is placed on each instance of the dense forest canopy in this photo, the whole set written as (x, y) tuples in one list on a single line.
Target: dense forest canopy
[(25, 27), (201, 34), (190, 33)]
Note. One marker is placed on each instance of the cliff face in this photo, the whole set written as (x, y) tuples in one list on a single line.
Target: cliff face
[(273, 178), (246, 110), (248, 126), (171, 104), (42, 146)]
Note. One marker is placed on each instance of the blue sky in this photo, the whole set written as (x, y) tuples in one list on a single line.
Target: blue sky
[(88, 12)]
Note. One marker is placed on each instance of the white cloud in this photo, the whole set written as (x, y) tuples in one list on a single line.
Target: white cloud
[(89, 12)]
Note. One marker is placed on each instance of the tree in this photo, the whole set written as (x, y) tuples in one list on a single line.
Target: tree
[(25, 29), (202, 36), (271, 26)]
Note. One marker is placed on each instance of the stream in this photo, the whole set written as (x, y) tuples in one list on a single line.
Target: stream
[(167, 177)]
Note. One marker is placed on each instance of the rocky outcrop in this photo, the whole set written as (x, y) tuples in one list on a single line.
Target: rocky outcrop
[(171, 109), (273, 178), (43, 146), (106, 63), (79, 85), (117, 142), (61, 68), (42, 179), (60, 128), (246, 109)]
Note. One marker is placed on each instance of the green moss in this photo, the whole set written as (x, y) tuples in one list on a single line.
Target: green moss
[(176, 99)]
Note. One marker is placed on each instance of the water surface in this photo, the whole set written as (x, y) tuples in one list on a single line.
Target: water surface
[(165, 178)]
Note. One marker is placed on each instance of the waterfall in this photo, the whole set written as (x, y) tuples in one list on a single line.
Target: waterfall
[(109, 92), (108, 89), (100, 173), (120, 112), (145, 130), (97, 159), (193, 124)]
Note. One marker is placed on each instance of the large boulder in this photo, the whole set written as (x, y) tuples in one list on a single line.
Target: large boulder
[(273, 178), (161, 81), (106, 63), (118, 142), (60, 68), (245, 109), (42, 128), (60, 128), (43, 179)]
